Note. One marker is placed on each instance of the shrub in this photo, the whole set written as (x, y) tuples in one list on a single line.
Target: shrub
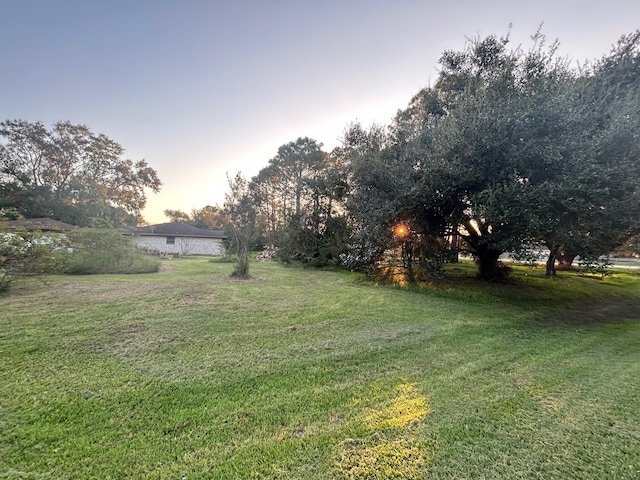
[(107, 251), (30, 253)]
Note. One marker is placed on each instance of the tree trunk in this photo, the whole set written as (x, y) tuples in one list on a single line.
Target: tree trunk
[(488, 268), (241, 269), (565, 260), (407, 259), (551, 261)]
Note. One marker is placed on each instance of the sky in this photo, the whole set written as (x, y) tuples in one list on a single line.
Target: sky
[(202, 88)]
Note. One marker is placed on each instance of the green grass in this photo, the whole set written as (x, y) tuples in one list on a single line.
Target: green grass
[(302, 374)]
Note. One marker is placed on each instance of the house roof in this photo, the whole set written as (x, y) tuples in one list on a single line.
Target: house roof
[(177, 229), (43, 223)]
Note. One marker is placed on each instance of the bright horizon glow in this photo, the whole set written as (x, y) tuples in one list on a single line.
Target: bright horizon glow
[(202, 89)]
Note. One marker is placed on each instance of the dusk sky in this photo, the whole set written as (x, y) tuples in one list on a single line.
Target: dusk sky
[(200, 88)]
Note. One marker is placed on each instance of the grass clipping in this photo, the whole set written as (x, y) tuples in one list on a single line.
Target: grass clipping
[(389, 448)]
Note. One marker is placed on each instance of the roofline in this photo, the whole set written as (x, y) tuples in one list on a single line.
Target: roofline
[(145, 234)]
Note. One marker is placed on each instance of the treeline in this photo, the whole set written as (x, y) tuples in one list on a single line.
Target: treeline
[(509, 148), (208, 217)]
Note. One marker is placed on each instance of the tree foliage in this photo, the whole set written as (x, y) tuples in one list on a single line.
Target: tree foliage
[(207, 217), (299, 198), (71, 174), (596, 197), (239, 206), (508, 147), (177, 215), (30, 253)]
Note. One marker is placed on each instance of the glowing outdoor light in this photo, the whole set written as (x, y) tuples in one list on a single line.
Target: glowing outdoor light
[(401, 230)]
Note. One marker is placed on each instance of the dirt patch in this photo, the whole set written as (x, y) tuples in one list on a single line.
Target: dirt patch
[(596, 312)]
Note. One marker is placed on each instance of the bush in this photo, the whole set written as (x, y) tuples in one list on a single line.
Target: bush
[(30, 253), (315, 246), (107, 251), (361, 256)]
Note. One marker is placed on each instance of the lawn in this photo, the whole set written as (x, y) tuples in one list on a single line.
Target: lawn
[(302, 374)]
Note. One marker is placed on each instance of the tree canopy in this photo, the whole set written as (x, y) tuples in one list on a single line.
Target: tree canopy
[(298, 198), (71, 174), (510, 147), (208, 217)]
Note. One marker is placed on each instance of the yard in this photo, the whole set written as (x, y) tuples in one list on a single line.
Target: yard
[(302, 374)]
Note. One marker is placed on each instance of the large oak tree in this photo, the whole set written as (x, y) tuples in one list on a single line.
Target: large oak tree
[(511, 147)]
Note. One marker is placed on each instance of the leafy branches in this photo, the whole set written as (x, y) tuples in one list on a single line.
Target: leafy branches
[(510, 148), (71, 174), (239, 206), (28, 253)]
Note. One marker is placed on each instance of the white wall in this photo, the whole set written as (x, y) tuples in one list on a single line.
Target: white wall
[(182, 246)]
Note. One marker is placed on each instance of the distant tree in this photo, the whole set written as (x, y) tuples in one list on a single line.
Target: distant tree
[(240, 208), (283, 185), (177, 216), (299, 198), (209, 217), (70, 173)]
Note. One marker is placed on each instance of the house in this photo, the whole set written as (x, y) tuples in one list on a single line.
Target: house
[(177, 238)]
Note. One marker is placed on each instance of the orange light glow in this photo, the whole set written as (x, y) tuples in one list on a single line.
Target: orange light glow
[(401, 230)]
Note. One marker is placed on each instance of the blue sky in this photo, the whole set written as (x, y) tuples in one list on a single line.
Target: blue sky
[(201, 88)]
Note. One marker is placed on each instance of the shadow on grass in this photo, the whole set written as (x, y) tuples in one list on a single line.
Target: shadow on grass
[(569, 298), (594, 312)]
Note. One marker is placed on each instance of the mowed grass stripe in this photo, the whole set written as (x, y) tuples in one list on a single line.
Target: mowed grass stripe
[(317, 374)]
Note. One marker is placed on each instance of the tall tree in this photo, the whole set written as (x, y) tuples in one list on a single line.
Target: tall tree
[(283, 185), (299, 197), (296, 161), (499, 106), (271, 201), (70, 173), (596, 197)]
